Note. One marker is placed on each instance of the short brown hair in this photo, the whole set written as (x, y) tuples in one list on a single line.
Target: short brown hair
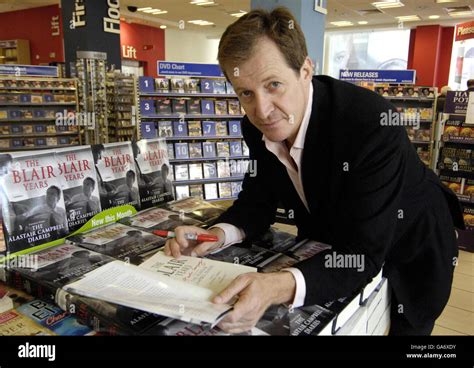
[(279, 25)]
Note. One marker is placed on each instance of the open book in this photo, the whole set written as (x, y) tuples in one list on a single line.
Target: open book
[(178, 288)]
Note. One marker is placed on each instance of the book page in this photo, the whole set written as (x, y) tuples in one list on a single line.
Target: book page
[(128, 285), (212, 275)]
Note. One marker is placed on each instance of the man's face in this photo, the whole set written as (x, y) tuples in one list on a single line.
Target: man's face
[(87, 188), (130, 179), (52, 199), (272, 94)]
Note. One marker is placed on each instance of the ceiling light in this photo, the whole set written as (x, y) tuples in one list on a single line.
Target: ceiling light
[(163, 26), (238, 14), (408, 18), (466, 13), (200, 22), (158, 11), (445, 1), (388, 4), (362, 22), (342, 23), (143, 9), (433, 17), (202, 2)]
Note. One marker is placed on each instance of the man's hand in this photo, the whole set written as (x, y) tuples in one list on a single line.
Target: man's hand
[(180, 245), (256, 292)]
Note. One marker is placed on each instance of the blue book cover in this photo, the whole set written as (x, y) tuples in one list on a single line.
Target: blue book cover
[(53, 318)]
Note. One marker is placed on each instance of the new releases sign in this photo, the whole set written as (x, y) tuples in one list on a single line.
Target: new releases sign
[(378, 76), (92, 25)]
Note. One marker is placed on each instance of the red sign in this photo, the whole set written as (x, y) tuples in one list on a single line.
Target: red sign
[(464, 31)]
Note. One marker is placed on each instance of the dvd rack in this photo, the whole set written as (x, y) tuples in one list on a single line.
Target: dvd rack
[(37, 113), (416, 106), (91, 72), (201, 121), (121, 101)]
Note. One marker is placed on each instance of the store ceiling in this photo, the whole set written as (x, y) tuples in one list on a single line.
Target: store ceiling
[(219, 14)]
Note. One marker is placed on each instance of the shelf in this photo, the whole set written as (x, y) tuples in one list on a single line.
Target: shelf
[(423, 99), (72, 89), (209, 159), (38, 104), (11, 149), (464, 199), (37, 135), (186, 116), (174, 94), (204, 181), (27, 120), (187, 138), (421, 142), (462, 140), (222, 199)]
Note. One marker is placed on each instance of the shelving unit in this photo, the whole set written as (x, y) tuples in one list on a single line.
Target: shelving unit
[(91, 72), (200, 119), (15, 52), (418, 104), (37, 113), (121, 102), (455, 166)]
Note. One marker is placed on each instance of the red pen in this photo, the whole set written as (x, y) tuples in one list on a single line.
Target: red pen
[(189, 236)]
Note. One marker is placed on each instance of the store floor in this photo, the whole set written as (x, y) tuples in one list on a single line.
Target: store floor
[(458, 316)]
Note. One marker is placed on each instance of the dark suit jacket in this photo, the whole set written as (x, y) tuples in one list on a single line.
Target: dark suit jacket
[(387, 205)]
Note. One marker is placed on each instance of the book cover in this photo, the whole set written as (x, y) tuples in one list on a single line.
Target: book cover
[(52, 268), (191, 85), (194, 128), (233, 107), (170, 149), (177, 85), (245, 149), (165, 128), (181, 172), (276, 240), (209, 149), (162, 85), (195, 171), (79, 185), (181, 150), (210, 191), (119, 241), (12, 298), (209, 128), (248, 255), (210, 170), (193, 106), (220, 107), (53, 318), (306, 249), (13, 323), (225, 190), (221, 128), (343, 309), (160, 219), (196, 191), (180, 128), (182, 191), (163, 106), (33, 208), (153, 168), (178, 105), (219, 86), (195, 150), (198, 209), (223, 149), (223, 170), (229, 88), (116, 174)]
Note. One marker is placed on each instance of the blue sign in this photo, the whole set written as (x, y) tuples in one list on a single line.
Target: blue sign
[(148, 130), (189, 69), (29, 70), (146, 84), (378, 76)]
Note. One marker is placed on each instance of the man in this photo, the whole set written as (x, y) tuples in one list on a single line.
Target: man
[(85, 199), (128, 190), (470, 85), (350, 181)]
